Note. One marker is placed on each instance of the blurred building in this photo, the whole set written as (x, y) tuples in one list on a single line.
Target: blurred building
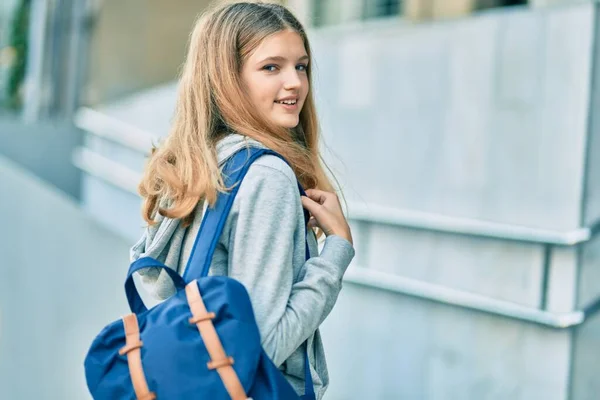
[(11, 56), (320, 13), (136, 45)]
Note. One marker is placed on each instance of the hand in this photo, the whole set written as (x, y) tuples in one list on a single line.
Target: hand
[(326, 213)]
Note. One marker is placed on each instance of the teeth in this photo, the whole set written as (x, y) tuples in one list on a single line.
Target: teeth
[(290, 102)]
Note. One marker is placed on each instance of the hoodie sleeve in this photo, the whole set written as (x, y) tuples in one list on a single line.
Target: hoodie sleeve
[(264, 235)]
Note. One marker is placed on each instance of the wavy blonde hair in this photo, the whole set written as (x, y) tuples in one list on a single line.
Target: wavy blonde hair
[(212, 101)]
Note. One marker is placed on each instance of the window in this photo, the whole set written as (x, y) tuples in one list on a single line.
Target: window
[(331, 12), (380, 8)]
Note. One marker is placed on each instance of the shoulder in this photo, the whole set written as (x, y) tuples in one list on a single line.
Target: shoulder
[(269, 184), (268, 199), (271, 169)]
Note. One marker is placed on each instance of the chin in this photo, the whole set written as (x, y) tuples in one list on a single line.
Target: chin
[(289, 123)]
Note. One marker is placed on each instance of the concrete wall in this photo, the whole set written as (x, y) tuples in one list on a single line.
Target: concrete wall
[(482, 118), (386, 346)]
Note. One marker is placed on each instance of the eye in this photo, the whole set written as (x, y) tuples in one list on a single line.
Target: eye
[(301, 67), (270, 67)]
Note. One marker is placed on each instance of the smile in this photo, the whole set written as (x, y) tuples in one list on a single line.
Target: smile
[(288, 102)]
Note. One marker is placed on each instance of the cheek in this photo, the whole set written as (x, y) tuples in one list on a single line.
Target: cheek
[(305, 86), (269, 92), (263, 91), (257, 88)]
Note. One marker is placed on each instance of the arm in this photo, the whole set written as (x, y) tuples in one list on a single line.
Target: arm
[(265, 237)]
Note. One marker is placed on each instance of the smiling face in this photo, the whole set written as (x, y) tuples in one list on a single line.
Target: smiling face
[(275, 75)]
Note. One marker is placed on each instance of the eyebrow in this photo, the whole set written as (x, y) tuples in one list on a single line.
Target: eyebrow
[(279, 58)]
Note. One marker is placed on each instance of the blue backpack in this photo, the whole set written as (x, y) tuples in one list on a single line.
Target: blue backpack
[(201, 343)]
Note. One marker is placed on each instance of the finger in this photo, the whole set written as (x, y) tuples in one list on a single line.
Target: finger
[(312, 206), (317, 195), (321, 195), (315, 192)]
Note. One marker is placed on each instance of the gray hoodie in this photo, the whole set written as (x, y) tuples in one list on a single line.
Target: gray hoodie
[(263, 247)]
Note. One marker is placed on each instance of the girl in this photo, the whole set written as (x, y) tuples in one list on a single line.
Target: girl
[(246, 82)]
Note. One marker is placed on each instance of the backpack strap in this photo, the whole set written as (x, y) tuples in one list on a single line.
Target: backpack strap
[(136, 305), (132, 347), (218, 358)]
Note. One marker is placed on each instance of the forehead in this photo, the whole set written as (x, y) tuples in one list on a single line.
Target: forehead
[(287, 44)]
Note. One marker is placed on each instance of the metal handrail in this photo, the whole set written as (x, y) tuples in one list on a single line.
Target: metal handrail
[(463, 299), (109, 128), (106, 169), (103, 125), (466, 226), (116, 174)]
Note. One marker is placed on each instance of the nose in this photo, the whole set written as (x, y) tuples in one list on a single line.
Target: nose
[(292, 79)]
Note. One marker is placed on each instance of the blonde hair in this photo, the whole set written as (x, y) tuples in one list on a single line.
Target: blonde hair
[(212, 101)]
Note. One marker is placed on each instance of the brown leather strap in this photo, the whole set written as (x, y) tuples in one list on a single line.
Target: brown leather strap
[(132, 347), (219, 359), (200, 318), (220, 363)]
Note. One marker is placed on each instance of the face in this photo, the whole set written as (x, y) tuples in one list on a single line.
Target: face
[(276, 78)]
